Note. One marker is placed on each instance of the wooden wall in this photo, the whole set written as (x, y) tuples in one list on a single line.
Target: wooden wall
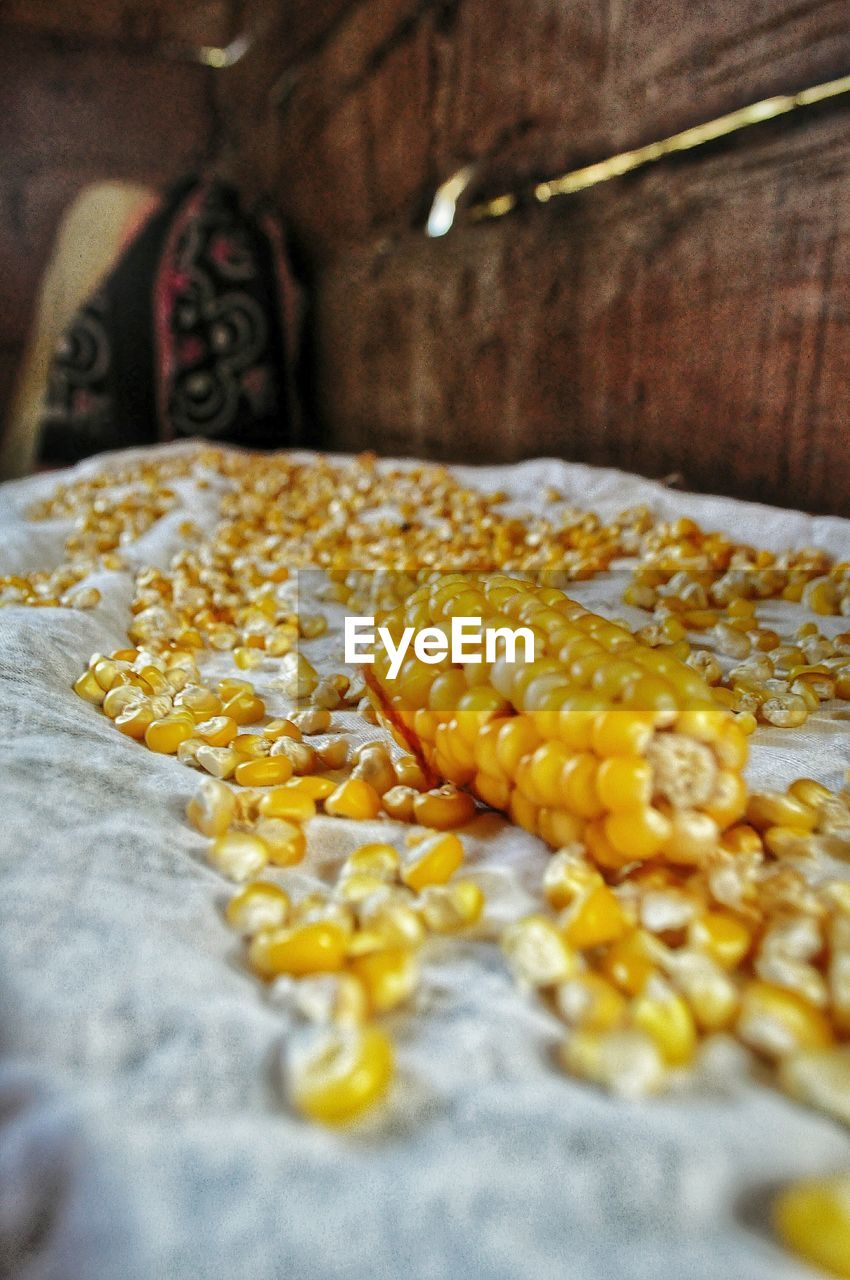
[(693, 318)]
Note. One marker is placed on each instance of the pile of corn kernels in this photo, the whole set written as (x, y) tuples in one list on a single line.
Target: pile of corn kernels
[(646, 966)]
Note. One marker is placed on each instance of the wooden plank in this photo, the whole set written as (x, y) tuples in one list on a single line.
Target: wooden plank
[(149, 22), (693, 320), (407, 90)]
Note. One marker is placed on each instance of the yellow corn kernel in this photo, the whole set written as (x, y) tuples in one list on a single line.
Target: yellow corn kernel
[(108, 674), (312, 625), (230, 686), (590, 1002), (333, 753), (269, 771), (120, 698), (286, 802), (729, 799), (786, 711), (244, 708), (247, 657), (165, 735), (665, 1016), (813, 1219), (354, 798), (317, 946), (238, 855), (819, 1078), (187, 752), (218, 731), (281, 728), (281, 640), (135, 720), (638, 833), (329, 999), (741, 608), (746, 722), (284, 840), (301, 756), (538, 953), (444, 808), (212, 808), (788, 842), (409, 773), (628, 962), (317, 789), (775, 1021), (516, 739), (252, 746), (375, 767), (152, 680), (436, 860), (87, 687), (388, 977), (625, 1061), (125, 655), (693, 838), (568, 875), (221, 762), (579, 794), (624, 782), (312, 720), (345, 1071), (380, 860), (809, 792), (398, 803), (722, 936), (355, 886), (594, 918), (773, 809), (203, 703), (259, 906), (298, 677), (741, 838), (451, 907)]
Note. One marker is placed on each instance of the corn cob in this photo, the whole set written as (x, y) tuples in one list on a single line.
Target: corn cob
[(599, 739)]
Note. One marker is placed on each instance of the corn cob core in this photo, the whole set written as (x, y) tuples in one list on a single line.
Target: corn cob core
[(599, 739)]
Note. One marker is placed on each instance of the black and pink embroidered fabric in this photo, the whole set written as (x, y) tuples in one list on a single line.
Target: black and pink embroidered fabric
[(193, 333)]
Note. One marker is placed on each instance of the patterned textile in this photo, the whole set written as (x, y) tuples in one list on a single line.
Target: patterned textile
[(194, 332)]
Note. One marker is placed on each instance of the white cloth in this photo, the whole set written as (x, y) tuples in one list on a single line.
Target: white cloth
[(142, 1131)]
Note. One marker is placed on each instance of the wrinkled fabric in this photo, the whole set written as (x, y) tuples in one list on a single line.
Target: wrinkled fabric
[(143, 1130)]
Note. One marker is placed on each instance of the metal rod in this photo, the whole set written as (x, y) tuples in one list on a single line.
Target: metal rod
[(444, 208)]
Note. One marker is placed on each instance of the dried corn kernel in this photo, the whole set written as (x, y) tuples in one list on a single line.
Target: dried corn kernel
[(340, 1074), (538, 952), (452, 907), (813, 1219), (625, 1062), (212, 808), (164, 736), (389, 977), (285, 842), (354, 798), (267, 772), (286, 802), (238, 855), (259, 906), (435, 861), (317, 946)]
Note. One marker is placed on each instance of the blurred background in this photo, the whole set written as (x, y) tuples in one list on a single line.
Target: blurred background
[(693, 318)]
